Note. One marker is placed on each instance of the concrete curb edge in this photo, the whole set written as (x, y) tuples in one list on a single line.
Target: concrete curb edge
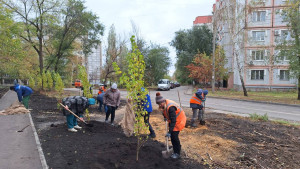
[(294, 105), (38, 144)]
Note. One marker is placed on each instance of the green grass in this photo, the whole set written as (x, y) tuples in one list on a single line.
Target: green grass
[(259, 117), (284, 122), (287, 97)]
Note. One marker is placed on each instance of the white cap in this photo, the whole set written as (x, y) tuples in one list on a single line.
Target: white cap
[(114, 86)]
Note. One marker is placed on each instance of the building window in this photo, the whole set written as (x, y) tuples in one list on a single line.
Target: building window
[(257, 54), (285, 35), (284, 75), (259, 16), (281, 55), (257, 74), (258, 35)]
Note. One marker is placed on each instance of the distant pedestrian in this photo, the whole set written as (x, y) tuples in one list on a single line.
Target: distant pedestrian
[(196, 103), (100, 101), (112, 100), (176, 118), (23, 93), (77, 104)]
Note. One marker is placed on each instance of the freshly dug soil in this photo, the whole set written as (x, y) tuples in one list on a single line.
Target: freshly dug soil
[(101, 146), (3, 90), (225, 141)]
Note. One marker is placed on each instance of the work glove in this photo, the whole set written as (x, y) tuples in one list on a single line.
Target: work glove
[(117, 107), (168, 135)]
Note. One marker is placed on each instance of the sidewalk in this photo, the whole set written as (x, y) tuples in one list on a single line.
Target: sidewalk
[(18, 149)]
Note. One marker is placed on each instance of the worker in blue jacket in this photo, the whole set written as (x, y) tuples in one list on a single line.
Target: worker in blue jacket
[(147, 105), (23, 93)]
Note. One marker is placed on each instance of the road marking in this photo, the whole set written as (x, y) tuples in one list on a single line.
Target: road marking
[(258, 109)]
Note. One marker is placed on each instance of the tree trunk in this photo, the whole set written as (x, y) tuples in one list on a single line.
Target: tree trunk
[(240, 73), (299, 88)]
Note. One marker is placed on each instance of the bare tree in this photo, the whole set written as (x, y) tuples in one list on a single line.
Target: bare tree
[(114, 49), (232, 14)]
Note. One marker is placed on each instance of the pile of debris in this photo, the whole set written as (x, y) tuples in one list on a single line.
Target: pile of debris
[(16, 108)]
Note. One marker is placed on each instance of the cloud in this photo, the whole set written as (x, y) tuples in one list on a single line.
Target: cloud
[(157, 20)]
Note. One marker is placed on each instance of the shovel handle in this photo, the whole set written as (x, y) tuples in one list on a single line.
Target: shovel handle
[(167, 139), (73, 113)]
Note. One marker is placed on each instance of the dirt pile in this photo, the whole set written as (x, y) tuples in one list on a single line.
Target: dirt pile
[(16, 108)]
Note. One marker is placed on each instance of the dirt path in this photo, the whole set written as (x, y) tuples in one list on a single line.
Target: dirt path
[(225, 142)]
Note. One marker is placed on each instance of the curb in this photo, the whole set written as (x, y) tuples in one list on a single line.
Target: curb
[(294, 105), (38, 144)]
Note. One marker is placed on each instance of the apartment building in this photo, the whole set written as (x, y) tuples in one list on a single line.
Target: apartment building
[(203, 20), (260, 28), (94, 64)]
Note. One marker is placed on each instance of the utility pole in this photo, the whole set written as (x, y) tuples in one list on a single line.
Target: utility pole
[(214, 51)]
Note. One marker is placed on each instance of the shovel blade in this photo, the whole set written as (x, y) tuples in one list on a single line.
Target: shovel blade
[(167, 154)]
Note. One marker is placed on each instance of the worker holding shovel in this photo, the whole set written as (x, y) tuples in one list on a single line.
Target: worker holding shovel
[(176, 119), (77, 104)]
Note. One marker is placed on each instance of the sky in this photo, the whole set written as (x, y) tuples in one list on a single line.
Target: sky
[(157, 20)]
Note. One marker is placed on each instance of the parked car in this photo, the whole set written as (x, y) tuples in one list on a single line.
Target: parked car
[(177, 84), (172, 85), (163, 84)]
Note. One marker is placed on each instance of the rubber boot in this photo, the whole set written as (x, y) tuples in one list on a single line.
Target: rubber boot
[(193, 123)]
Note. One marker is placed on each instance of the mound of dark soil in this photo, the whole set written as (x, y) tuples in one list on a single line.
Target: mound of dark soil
[(102, 146)]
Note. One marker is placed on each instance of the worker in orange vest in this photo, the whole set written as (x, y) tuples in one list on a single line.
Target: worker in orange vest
[(196, 103), (101, 90), (176, 118)]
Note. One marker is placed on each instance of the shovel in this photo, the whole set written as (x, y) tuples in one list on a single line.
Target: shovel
[(87, 124), (168, 152)]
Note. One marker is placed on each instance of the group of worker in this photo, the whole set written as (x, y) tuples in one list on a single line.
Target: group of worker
[(110, 100)]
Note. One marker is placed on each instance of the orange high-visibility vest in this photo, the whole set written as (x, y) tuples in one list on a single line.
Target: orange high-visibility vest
[(196, 100), (101, 89), (180, 115)]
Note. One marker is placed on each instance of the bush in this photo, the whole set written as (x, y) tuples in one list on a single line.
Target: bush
[(259, 117), (31, 83), (49, 80)]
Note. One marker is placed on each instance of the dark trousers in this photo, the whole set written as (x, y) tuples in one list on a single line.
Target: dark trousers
[(146, 120), (175, 142), (110, 110)]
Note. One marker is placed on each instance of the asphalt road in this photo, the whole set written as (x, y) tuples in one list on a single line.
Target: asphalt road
[(184, 93)]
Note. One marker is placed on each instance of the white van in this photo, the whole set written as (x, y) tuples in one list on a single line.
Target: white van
[(164, 84)]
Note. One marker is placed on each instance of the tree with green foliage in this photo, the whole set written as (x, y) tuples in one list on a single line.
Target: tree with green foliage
[(49, 80), (44, 80), (31, 83), (134, 81), (291, 48), (59, 85), (86, 86), (11, 50), (187, 44), (75, 23), (157, 63), (35, 16), (39, 82), (221, 72)]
